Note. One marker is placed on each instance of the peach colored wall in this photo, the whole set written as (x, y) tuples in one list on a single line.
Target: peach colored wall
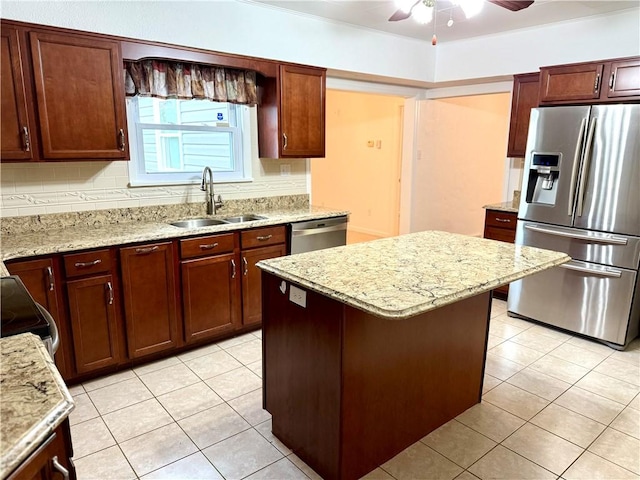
[(459, 164), (353, 176)]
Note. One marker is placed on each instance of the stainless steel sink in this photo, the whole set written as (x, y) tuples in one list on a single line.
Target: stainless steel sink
[(198, 222), (244, 218)]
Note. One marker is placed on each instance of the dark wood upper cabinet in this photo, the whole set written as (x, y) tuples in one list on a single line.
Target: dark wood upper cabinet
[(291, 113), (624, 79), (570, 83), (149, 293), (616, 80), (525, 97), (80, 96), (18, 132)]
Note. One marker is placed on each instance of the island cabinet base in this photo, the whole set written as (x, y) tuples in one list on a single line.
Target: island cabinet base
[(348, 390)]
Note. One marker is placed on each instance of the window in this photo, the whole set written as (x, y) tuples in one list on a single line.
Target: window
[(173, 140)]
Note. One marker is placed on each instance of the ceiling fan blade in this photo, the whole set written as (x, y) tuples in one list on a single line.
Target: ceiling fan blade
[(401, 14), (513, 5)]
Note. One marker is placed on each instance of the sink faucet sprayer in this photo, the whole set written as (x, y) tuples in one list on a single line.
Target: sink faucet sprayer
[(207, 186)]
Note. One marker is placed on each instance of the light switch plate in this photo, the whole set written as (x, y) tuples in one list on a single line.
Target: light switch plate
[(298, 296)]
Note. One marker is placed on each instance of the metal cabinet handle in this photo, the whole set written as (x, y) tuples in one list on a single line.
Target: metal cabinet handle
[(110, 291), (246, 266), (285, 140), (121, 136), (585, 167), (26, 139), (142, 251), (52, 284), (233, 268), (60, 468), (612, 80), (208, 246), (87, 264), (503, 220), (596, 85), (262, 238)]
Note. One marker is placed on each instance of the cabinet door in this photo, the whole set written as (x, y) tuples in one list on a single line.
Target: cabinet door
[(570, 83), (252, 281), (302, 111), (41, 279), (92, 310), (500, 226), (17, 122), (80, 96), (624, 79), (210, 296), (525, 97), (148, 289)]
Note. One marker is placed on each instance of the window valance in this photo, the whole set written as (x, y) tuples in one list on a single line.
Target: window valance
[(170, 79)]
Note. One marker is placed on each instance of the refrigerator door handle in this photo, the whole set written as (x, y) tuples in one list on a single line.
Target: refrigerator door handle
[(585, 168), (576, 165), (602, 238), (600, 271)]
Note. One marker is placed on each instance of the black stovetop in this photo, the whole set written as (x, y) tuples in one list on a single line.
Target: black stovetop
[(20, 313)]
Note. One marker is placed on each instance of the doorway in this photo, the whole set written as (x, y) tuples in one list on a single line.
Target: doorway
[(361, 169)]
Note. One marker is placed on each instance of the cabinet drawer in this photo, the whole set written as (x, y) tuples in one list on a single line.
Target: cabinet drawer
[(261, 237), (88, 263), (499, 219), (501, 234), (209, 245)]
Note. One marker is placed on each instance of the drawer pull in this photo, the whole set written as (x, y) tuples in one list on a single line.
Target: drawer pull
[(246, 266), (60, 468), (503, 220), (208, 246), (87, 264), (142, 251), (233, 269), (263, 238), (110, 290), (52, 284), (596, 85)]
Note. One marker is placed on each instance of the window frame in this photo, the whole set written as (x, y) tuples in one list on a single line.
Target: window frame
[(241, 148)]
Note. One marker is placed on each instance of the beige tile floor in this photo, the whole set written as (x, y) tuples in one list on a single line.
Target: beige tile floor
[(554, 406)]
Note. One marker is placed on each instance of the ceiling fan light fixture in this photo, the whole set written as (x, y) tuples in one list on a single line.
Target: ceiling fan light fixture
[(422, 14)]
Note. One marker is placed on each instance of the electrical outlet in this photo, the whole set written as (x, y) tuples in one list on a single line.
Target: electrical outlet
[(298, 296), (285, 169)]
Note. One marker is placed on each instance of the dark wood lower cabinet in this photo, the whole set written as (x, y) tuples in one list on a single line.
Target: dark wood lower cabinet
[(149, 294), (252, 281), (92, 310), (210, 296), (500, 225), (51, 460), (43, 280)]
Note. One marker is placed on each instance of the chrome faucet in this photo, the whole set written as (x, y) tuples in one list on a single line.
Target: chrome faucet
[(207, 186)]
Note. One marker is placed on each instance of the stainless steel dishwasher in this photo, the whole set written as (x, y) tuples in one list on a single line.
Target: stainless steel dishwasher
[(317, 234)]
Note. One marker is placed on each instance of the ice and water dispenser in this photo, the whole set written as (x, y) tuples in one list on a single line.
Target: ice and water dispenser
[(544, 170)]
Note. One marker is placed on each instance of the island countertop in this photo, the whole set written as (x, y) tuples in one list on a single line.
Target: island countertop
[(399, 277), (35, 400)]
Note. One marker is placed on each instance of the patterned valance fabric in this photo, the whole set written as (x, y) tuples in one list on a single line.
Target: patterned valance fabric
[(169, 79)]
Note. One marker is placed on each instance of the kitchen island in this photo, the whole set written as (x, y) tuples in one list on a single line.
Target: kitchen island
[(369, 347)]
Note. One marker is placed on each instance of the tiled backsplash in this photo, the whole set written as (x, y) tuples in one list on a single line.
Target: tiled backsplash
[(57, 187)]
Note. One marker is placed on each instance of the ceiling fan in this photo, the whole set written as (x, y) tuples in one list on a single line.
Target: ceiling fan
[(406, 11)]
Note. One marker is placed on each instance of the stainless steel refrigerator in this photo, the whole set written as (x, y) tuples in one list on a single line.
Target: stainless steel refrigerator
[(581, 195)]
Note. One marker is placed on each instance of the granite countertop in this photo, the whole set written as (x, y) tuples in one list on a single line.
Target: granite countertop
[(400, 277), (503, 206), (35, 400), (79, 238)]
